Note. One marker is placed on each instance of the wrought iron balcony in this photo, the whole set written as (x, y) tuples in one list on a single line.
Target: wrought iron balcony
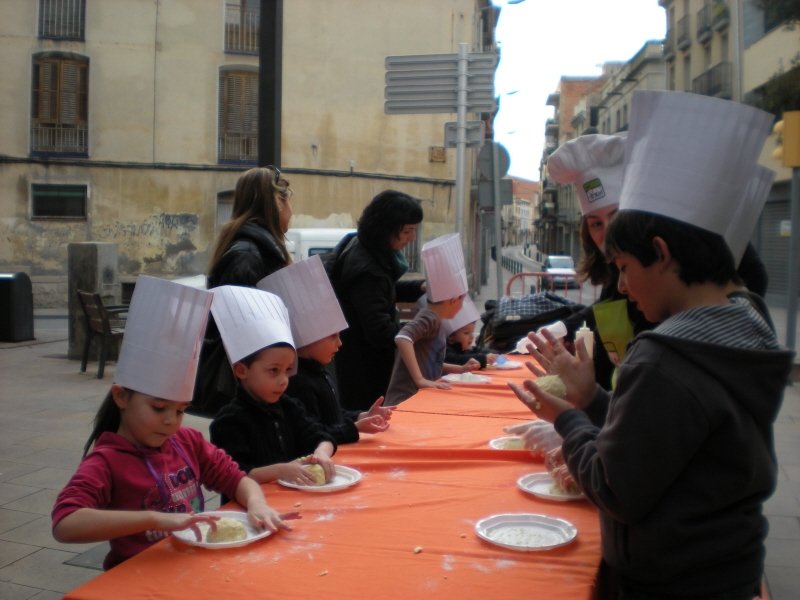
[(669, 45), (238, 147), (716, 82), (720, 15), (684, 37), (59, 139), (704, 31)]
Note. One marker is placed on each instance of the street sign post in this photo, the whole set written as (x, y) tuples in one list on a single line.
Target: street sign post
[(444, 83)]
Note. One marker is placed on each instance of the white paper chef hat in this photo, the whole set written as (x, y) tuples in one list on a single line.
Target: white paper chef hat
[(307, 292), (163, 336), (690, 157), (445, 272), (468, 314), (249, 320), (594, 163), (745, 217)]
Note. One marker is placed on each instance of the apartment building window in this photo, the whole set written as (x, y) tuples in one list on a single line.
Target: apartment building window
[(411, 252), (617, 128), (687, 73), (59, 104), (62, 19), (724, 48), (706, 57), (224, 208), (238, 116), (241, 26), (58, 201), (671, 82), (624, 115)]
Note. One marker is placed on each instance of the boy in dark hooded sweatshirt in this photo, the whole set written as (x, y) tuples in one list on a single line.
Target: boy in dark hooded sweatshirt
[(680, 458)]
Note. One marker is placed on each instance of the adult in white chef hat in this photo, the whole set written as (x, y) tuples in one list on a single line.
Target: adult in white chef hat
[(317, 319), (594, 164)]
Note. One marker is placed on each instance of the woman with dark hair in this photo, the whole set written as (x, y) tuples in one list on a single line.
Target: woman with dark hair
[(365, 268), (250, 246)]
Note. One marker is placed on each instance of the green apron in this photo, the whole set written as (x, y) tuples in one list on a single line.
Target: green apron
[(615, 330)]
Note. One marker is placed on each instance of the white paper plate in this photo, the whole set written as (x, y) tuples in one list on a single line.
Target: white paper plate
[(187, 535), (499, 443), (456, 378), (509, 365), (539, 484), (526, 531), (344, 478)]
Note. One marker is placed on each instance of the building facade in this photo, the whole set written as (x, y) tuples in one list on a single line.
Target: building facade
[(129, 122), (730, 49)]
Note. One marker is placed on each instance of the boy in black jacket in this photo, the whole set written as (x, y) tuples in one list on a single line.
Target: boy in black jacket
[(267, 433), (680, 458), (316, 321)]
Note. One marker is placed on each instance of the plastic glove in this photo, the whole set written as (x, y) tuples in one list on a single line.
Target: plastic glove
[(540, 437)]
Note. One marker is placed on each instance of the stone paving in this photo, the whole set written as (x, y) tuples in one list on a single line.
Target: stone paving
[(46, 408)]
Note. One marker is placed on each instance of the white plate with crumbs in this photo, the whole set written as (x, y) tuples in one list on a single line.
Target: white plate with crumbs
[(466, 378), (187, 535), (509, 365), (510, 442), (344, 478), (526, 532), (542, 485)]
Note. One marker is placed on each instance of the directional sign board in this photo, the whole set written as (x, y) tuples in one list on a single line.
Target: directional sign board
[(428, 83)]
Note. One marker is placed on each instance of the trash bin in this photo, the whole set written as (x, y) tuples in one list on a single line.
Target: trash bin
[(16, 307)]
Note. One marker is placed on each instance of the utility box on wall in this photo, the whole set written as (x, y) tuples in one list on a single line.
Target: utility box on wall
[(16, 307), (93, 267)]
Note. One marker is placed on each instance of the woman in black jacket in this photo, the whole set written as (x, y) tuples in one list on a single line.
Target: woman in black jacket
[(250, 247), (365, 268)]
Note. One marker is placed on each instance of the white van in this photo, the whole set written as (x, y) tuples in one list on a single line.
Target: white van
[(304, 243)]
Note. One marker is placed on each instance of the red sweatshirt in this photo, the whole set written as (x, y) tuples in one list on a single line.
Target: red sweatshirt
[(115, 476)]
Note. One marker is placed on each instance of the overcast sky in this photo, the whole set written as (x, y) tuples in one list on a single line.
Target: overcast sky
[(542, 40)]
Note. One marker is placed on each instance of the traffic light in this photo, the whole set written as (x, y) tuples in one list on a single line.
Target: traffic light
[(788, 150)]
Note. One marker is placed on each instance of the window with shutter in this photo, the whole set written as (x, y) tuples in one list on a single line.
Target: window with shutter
[(62, 19), (59, 105), (50, 201), (238, 117), (241, 26)]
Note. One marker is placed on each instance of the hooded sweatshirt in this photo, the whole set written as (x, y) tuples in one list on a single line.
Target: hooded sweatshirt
[(684, 458), (115, 476)]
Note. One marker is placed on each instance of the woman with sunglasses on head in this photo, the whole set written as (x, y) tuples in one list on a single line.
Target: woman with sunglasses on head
[(250, 246)]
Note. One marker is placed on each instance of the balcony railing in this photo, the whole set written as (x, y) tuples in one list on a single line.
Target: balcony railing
[(720, 15), (669, 45), (704, 31), (717, 82), (238, 147), (684, 37), (61, 139), (241, 29)]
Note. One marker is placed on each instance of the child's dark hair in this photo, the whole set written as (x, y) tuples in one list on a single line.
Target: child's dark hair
[(385, 217), (593, 264), (248, 360), (108, 418), (704, 257)]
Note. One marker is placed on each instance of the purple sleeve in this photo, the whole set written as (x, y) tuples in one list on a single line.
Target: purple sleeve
[(89, 487)]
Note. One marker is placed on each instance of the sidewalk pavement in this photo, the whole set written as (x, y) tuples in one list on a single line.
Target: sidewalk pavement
[(46, 409)]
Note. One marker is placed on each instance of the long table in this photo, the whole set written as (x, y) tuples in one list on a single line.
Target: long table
[(427, 481)]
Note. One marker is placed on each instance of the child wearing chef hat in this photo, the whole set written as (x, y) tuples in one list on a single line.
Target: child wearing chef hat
[(680, 458), (267, 433), (421, 343), (316, 320), (141, 480), (460, 331)]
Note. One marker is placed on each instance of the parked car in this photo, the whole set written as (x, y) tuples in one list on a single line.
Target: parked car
[(305, 243), (560, 269)]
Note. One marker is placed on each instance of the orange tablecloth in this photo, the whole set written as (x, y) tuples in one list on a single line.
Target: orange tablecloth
[(427, 481)]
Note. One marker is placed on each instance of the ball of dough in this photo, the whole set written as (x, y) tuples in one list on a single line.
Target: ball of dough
[(552, 384), (318, 473), (228, 530)]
